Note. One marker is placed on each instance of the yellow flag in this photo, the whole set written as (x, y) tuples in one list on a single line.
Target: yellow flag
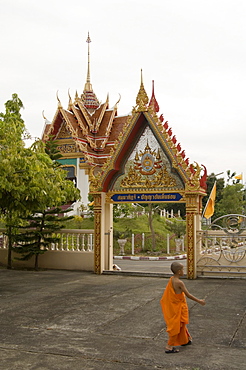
[(209, 210), (239, 177)]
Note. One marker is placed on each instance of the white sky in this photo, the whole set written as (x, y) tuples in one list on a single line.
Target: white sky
[(195, 50)]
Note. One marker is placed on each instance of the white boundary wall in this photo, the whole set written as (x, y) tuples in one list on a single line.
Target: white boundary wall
[(74, 252)]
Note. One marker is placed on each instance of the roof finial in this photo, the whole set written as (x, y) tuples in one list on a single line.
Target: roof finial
[(141, 76), (70, 103), (142, 97), (88, 86), (44, 115), (88, 97), (153, 100), (59, 102)]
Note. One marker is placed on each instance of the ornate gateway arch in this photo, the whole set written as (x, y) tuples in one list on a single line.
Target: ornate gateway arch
[(146, 164)]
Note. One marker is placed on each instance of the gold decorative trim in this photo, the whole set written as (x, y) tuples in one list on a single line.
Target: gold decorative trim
[(142, 98), (97, 232), (94, 181), (63, 132), (190, 245)]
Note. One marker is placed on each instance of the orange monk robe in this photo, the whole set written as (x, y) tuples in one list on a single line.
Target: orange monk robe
[(176, 315)]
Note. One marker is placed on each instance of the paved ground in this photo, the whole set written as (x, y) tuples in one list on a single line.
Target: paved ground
[(73, 320)]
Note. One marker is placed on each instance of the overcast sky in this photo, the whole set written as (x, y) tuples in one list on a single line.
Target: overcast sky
[(194, 50)]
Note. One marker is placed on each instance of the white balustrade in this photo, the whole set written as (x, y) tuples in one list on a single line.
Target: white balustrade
[(80, 240)]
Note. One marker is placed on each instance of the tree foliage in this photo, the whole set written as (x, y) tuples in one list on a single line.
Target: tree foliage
[(123, 210), (39, 233), (230, 197), (177, 227), (29, 181), (232, 201), (51, 148)]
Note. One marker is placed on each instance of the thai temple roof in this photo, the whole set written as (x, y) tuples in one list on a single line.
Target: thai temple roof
[(90, 130), (92, 126)]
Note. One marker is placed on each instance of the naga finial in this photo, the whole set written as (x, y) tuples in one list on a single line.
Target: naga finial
[(59, 102)]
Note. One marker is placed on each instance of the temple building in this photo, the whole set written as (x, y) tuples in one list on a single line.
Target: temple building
[(134, 158), (86, 131)]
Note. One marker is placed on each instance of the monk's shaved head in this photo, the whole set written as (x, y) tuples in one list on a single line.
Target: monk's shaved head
[(176, 266)]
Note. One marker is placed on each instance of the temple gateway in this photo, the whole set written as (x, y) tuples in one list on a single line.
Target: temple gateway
[(131, 158)]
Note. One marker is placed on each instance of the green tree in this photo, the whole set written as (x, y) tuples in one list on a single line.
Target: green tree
[(122, 210), (177, 227), (150, 213), (39, 233), (232, 201), (51, 148), (29, 181)]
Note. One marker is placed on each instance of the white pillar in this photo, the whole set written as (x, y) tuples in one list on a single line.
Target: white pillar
[(168, 244), (133, 245)]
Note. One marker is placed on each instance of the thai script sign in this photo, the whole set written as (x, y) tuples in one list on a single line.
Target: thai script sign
[(146, 197)]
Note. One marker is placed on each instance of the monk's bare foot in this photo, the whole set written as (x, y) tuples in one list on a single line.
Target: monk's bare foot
[(171, 350)]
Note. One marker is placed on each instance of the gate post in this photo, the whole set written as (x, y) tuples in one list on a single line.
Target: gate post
[(98, 232), (103, 233), (192, 225), (108, 240)]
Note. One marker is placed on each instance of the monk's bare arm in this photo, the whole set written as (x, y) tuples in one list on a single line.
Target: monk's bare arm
[(188, 295)]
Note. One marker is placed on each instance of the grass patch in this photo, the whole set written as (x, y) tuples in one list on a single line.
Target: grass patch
[(124, 227)]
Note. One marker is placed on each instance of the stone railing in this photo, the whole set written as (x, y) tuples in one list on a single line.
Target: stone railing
[(73, 251), (80, 240)]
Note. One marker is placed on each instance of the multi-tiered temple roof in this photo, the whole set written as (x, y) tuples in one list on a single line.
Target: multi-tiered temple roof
[(86, 128), (92, 131)]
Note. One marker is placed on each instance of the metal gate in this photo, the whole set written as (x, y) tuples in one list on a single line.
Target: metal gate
[(221, 248)]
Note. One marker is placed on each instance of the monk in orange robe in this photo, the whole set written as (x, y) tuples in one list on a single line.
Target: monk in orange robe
[(175, 309)]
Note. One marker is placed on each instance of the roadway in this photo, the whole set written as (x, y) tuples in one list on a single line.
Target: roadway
[(147, 265)]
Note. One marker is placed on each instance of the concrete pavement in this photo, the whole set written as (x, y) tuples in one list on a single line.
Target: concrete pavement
[(74, 320)]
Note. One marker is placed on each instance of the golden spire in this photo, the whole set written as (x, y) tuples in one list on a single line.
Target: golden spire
[(76, 97), (88, 86), (142, 97), (88, 97)]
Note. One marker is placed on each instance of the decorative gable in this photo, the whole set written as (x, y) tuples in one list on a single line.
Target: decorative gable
[(146, 156), (64, 132)]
